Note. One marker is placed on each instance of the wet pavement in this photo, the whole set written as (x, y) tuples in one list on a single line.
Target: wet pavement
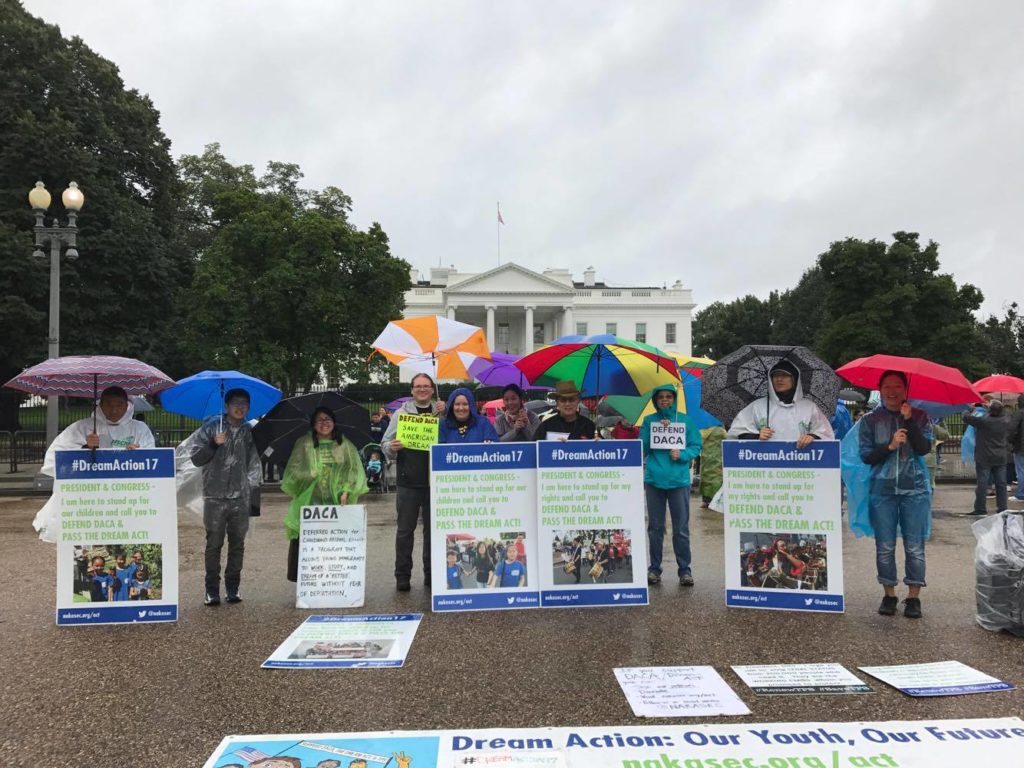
[(162, 695)]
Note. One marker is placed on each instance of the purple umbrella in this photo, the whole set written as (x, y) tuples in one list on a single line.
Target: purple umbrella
[(397, 403), (500, 371)]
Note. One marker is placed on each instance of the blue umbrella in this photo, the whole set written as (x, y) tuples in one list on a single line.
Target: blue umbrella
[(202, 395)]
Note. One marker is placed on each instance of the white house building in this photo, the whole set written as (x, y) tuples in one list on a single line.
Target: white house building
[(521, 309)]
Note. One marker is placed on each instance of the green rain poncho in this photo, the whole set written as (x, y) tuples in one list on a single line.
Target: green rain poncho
[(320, 474), (711, 462)]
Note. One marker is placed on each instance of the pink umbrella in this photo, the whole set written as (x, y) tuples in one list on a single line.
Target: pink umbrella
[(925, 380), (87, 376), (1000, 383)]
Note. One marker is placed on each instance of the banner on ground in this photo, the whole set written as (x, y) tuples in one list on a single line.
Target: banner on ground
[(783, 529), (939, 678), (417, 432), (332, 557), (796, 679), (592, 534), (484, 538), (906, 744), (117, 553), (340, 642)]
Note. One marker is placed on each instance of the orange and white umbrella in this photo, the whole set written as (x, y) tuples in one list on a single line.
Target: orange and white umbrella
[(437, 346)]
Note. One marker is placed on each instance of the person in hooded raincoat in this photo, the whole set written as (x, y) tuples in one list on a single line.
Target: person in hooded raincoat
[(225, 451), (324, 468), (112, 427), (711, 463), (667, 482), (1016, 438), (461, 422), (784, 414), (894, 439)]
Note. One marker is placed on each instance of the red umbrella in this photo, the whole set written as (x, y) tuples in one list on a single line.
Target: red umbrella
[(925, 380), (1000, 383)]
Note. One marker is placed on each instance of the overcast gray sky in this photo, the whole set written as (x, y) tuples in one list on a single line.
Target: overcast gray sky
[(722, 143)]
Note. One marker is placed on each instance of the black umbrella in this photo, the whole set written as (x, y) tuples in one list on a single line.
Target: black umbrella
[(741, 377), (852, 396), (286, 422)]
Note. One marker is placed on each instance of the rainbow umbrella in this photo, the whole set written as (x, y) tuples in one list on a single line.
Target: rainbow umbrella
[(694, 365), (600, 365), (437, 346), (636, 409)]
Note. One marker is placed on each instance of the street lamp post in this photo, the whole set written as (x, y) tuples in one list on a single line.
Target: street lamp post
[(56, 237)]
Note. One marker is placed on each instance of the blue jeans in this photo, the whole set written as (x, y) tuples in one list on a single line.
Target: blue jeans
[(678, 500), (910, 514), (1018, 462), (985, 472)]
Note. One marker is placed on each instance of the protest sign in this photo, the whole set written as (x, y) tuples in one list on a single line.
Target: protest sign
[(484, 526), (117, 556), (678, 692), (907, 744), (339, 642), (790, 679), (417, 432), (940, 678), (332, 557), (592, 531), (668, 436), (783, 530)]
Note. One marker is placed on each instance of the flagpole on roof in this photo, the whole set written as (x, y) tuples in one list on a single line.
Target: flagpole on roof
[(501, 221)]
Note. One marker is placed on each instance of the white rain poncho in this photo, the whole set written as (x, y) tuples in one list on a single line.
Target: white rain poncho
[(114, 435), (789, 420)]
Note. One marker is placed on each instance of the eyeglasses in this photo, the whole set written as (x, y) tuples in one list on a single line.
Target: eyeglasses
[(567, 399), (323, 420), (238, 403)]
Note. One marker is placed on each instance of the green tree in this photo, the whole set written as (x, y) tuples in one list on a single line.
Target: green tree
[(893, 299), (721, 328), (803, 311), (1001, 343), (66, 115), (285, 286)]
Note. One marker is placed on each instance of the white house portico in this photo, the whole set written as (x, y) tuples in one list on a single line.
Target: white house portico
[(521, 309)]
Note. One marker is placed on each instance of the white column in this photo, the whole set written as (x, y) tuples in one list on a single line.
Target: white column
[(490, 327), (568, 327), (451, 312), (528, 341)]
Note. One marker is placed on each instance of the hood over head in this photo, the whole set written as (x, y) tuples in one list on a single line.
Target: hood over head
[(671, 411), (449, 414), (788, 397)]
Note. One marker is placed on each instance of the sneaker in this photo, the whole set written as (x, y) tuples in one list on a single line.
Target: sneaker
[(653, 577), (686, 580), (888, 606), (234, 597), (212, 598), (912, 608), (976, 514), (403, 585)]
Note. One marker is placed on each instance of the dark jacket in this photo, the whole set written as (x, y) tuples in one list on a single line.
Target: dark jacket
[(1016, 436), (412, 468), (580, 429), (990, 437)]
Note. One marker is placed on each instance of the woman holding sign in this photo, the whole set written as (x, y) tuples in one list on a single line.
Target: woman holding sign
[(670, 443), (324, 468)]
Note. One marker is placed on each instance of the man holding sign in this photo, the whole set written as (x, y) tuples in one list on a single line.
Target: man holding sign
[(670, 443), (413, 475)]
